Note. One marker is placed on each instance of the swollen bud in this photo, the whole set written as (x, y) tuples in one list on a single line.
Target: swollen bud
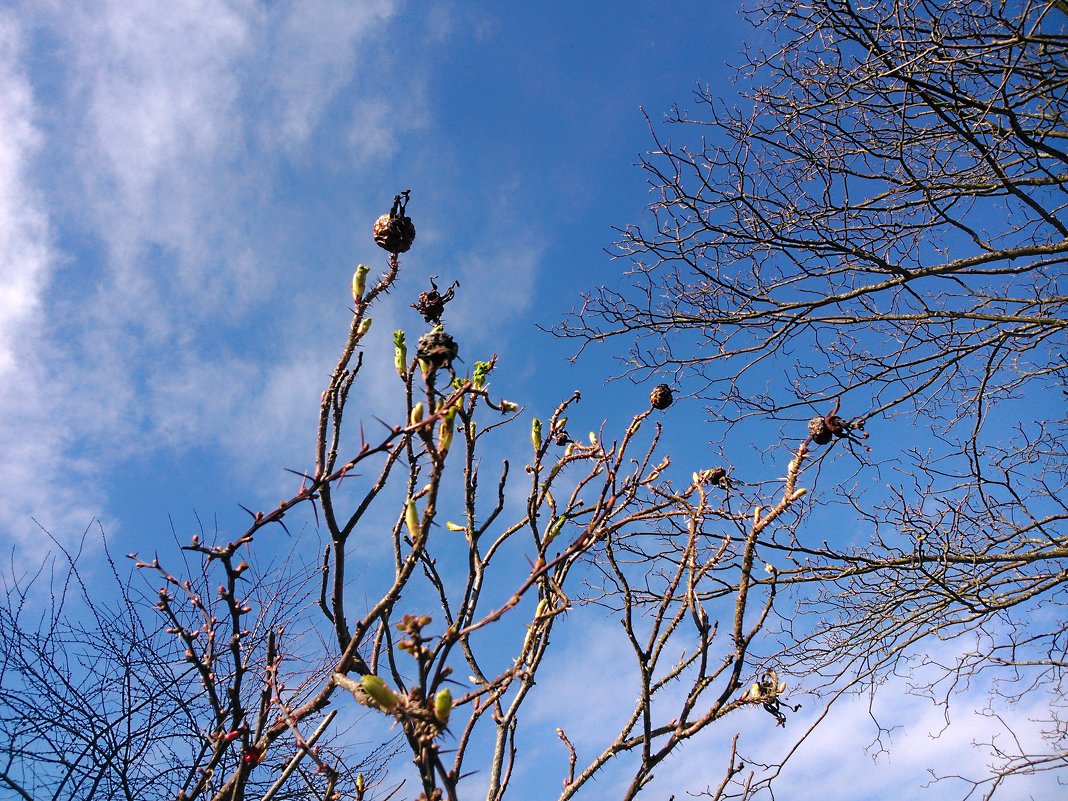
[(400, 353), (411, 520), (377, 690), (554, 529), (478, 377), (443, 706), (535, 434), (445, 430), (359, 281), (416, 416), (365, 326)]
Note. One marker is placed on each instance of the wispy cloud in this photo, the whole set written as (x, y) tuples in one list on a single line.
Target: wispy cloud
[(154, 151), (38, 471)]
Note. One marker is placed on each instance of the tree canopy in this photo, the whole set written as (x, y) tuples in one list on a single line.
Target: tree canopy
[(879, 232)]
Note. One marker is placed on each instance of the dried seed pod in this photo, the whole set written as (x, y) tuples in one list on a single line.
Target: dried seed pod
[(717, 476), (431, 304), (437, 348), (394, 231), (819, 431), (661, 397)]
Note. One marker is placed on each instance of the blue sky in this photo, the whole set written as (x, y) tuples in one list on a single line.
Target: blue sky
[(186, 187)]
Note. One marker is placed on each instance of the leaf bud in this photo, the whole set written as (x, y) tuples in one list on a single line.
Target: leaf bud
[(478, 377), (445, 430), (443, 706), (416, 417), (554, 529), (359, 281), (411, 520), (377, 690), (535, 434), (400, 354)]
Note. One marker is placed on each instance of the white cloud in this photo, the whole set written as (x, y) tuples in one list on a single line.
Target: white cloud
[(841, 757), (38, 473), (160, 170), (315, 52), (25, 249)]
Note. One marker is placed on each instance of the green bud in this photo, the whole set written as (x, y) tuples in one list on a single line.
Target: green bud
[(411, 520), (365, 326), (478, 377), (359, 281), (416, 416), (378, 692), (454, 526), (445, 430), (535, 434), (400, 353), (554, 529), (443, 706)]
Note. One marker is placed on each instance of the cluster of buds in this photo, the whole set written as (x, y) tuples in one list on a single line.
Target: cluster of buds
[(481, 372), (412, 626), (425, 720)]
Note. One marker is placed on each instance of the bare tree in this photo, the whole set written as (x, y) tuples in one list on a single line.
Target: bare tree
[(878, 232), (234, 686), (98, 699)]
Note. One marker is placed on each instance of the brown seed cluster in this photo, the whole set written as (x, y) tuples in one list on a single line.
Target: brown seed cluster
[(395, 231), (819, 431), (437, 348), (431, 304), (661, 397)]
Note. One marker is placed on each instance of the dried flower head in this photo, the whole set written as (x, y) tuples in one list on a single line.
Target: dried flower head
[(661, 397), (437, 349), (431, 304), (394, 231), (819, 431)]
